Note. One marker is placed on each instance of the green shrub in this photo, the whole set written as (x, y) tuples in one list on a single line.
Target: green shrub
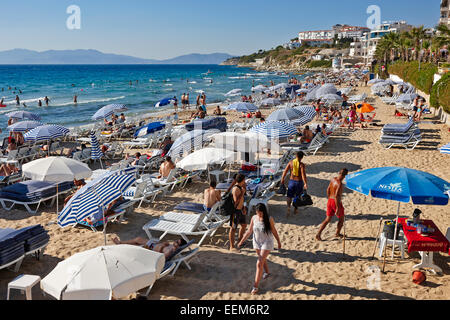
[(320, 64), (440, 93), (409, 71)]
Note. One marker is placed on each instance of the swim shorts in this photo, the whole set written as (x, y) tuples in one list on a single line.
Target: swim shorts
[(295, 189), (331, 209)]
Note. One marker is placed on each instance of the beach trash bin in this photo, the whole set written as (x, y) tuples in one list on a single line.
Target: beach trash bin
[(389, 229)]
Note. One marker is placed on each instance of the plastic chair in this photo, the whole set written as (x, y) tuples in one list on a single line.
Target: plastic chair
[(400, 242)]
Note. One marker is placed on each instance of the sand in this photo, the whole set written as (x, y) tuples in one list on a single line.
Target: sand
[(304, 268)]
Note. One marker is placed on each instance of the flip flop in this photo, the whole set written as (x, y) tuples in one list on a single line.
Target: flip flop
[(255, 291), (266, 275)]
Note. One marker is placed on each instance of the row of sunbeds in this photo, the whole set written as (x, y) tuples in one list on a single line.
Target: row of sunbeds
[(407, 135)]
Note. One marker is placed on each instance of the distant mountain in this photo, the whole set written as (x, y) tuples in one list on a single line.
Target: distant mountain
[(24, 56)]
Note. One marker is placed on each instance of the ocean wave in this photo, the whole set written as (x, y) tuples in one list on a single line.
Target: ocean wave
[(13, 102), (89, 101)]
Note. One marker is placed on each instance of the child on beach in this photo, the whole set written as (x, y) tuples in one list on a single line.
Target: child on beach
[(263, 228), (211, 196)]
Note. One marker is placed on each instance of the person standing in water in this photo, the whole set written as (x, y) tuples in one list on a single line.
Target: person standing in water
[(334, 206), (39, 103), (47, 100), (75, 99), (17, 100)]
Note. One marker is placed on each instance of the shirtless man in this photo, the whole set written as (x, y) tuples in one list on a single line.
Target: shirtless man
[(166, 167), (307, 135), (239, 215), (334, 206), (297, 182), (212, 196), (166, 248)]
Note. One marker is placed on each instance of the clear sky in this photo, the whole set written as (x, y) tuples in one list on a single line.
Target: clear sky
[(162, 29)]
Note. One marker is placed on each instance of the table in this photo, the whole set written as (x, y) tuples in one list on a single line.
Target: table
[(425, 245), (24, 282)]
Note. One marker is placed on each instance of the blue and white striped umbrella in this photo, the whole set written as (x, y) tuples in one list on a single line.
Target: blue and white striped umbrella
[(284, 114), (23, 115), (445, 149), (275, 129), (108, 110), (308, 114), (96, 153), (95, 197), (189, 141), (242, 107), (45, 133), (24, 126)]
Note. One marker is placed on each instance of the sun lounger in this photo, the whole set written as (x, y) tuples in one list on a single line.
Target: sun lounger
[(119, 212), (183, 255), (15, 245), (28, 193), (408, 141), (316, 143), (199, 228)]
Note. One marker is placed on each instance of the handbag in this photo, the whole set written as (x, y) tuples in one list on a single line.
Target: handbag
[(282, 190), (303, 200)]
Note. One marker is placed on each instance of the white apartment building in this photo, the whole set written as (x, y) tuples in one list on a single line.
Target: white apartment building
[(445, 12), (367, 44), (346, 31), (315, 35)]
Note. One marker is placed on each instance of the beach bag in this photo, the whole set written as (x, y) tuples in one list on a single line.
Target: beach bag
[(282, 190), (227, 206), (303, 201), (248, 167)]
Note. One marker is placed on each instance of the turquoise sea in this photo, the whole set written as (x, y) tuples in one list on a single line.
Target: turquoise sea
[(99, 85)]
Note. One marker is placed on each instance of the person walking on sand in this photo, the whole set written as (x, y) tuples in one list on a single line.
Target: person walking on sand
[(239, 215), (187, 101), (334, 206), (263, 228), (297, 182)]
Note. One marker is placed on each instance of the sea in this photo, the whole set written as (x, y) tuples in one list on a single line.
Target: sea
[(139, 87)]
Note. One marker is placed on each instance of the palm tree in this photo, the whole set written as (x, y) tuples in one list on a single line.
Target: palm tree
[(417, 35)]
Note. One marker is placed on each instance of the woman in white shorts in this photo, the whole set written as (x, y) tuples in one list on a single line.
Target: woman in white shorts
[(263, 228)]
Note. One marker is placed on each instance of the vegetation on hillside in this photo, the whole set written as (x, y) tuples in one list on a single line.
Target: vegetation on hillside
[(440, 93)]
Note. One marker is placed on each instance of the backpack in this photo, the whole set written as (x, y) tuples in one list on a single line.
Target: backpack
[(227, 206), (303, 201)]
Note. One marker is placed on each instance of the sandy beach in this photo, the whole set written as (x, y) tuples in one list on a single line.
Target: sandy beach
[(303, 268)]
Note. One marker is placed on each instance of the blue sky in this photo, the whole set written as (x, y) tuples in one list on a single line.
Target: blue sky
[(167, 28)]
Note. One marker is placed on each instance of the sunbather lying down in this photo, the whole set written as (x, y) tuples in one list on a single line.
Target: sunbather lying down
[(166, 248)]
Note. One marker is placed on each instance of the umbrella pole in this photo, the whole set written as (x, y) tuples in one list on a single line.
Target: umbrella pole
[(395, 231), (57, 193), (378, 238)]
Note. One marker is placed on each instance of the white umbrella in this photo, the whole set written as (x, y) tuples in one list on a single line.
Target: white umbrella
[(270, 102), (56, 169), (259, 88), (240, 142), (104, 273), (201, 159)]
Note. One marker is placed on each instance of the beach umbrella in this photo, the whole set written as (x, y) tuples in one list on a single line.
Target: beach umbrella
[(24, 126), (96, 153), (445, 149), (108, 110), (400, 184), (259, 88), (304, 90), (45, 133), (284, 114), (23, 115), (93, 199), (308, 114), (56, 169), (243, 142), (203, 158), (189, 141), (104, 273), (234, 92), (331, 97), (149, 128), (270, 102), (326, 89), (390, 81), (275, 129), (311, 95), (375, 81), (364, 108), (242, 107), (380, 88), (406, 97), (164, 102)]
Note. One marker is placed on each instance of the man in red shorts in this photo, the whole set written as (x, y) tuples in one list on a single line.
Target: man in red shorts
[(334, 206)]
